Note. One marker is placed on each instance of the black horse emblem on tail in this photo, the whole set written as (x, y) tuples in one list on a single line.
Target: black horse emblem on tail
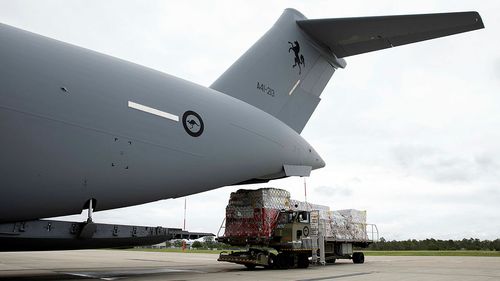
[(299, 58)]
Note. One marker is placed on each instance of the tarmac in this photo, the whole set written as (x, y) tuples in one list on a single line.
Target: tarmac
[(136, 265)]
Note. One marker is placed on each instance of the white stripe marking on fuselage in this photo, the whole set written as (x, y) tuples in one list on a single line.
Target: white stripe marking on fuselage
[(153, 111), (294, 86)]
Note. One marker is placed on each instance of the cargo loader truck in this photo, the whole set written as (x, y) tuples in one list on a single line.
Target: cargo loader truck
[(283, 233)]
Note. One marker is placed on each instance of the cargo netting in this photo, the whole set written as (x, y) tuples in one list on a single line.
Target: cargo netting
[(254, 213)]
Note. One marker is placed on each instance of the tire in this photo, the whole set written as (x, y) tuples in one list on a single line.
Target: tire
[(303, 261), (250, 266), (358, 257), (285, 261), (280, 261), (271, 261)]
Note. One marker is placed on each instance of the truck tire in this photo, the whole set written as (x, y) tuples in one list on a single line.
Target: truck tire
[(358, 257), (271, 261), (281, 261), (286, 261), (303, 261)]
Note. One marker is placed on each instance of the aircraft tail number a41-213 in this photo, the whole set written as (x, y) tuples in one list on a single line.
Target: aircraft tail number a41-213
[(86, 131)]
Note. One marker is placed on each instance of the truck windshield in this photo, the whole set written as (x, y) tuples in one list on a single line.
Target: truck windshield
[(303, 217), (291, 217)]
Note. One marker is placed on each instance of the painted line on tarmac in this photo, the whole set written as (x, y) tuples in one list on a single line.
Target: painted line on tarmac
[(119, 274)]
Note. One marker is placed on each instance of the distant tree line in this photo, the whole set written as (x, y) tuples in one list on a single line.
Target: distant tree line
[(437, 245), (382, 245), (207, 243)]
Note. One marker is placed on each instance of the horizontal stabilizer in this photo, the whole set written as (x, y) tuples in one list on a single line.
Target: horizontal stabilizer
[(50, 235), (352, 36)]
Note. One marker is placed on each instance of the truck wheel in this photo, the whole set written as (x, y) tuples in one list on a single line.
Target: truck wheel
[(358, 257), (271, 261), (250, 266), (285, 261), (303, 261), (281, 261)]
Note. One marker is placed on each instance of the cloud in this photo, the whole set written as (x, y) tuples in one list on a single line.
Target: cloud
[(334, 191), (497, 70), (444, 167), (408, 156), (487, 164)]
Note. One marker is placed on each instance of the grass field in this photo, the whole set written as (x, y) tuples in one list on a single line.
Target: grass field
[(367, 253), (434, 253)]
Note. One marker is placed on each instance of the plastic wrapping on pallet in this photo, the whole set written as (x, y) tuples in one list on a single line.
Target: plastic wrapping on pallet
[(347, 224), (306, 206), (254, 213), (323, 211)]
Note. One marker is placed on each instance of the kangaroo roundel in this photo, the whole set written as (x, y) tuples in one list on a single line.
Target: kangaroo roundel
[(193, 124)]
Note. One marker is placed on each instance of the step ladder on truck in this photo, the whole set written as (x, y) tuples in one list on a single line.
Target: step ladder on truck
[(283, 233)]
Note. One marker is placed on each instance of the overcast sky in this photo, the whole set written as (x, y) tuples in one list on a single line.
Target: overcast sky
[(410, 134)]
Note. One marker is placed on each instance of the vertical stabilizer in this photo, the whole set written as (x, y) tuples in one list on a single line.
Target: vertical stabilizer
[(283, 73)]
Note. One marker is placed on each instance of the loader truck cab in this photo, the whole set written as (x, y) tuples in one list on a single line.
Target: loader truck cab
[(292, 227)]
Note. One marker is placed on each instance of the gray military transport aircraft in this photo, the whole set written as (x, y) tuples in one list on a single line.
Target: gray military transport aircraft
[(86, 131)]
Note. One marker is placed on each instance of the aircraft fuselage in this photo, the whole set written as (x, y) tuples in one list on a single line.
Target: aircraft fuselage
[(72, 128)]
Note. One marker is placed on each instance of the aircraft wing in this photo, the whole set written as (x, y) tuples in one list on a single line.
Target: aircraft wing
[(352, 36)]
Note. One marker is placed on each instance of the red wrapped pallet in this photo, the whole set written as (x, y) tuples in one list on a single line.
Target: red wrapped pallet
[(252, 214)]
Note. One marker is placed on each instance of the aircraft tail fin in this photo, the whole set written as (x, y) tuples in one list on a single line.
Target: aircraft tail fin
[(287, 69)]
